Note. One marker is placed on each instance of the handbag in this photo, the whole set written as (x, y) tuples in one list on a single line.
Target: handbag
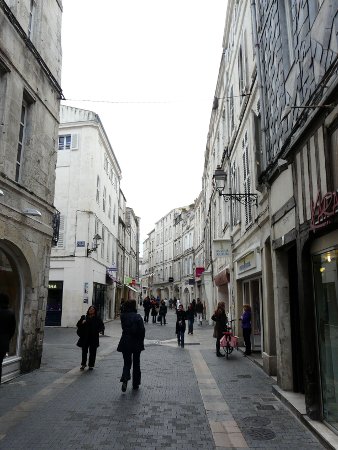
[(158, 318)]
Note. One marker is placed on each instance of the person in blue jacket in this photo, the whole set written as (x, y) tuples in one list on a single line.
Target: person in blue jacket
[(246, 327)]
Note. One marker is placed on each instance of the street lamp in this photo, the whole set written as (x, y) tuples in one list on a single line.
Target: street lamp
[(95, 244), (245, 199)]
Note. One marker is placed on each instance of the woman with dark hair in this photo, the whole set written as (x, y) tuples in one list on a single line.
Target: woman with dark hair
[(7, 327), (180, 325), (246, 327), (221, 320), (88, 329), (131, 344)]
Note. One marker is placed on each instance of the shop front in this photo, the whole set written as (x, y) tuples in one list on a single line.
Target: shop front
[(54, 303), (249, 292), (325, 275)]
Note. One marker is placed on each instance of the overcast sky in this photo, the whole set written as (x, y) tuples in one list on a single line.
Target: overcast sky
[(125, 54)]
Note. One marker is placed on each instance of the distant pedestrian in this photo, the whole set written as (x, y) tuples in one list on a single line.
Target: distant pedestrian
[(147, 308), (7, 327), (220, 327), (190, 314), (88, 329), (180, 325), (199, 311), (131, 344), (194, 307), (163, 312), (154, 310), (246, 327), (171, 303)]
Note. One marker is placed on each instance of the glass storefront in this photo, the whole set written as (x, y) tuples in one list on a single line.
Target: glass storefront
[(251, 296), (326, 297)]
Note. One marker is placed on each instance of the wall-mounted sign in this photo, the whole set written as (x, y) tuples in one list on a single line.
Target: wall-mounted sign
[(80, 243), (323, 209), (55, 285), (246, 263), (221, 248), (199, 271), (171, 279)]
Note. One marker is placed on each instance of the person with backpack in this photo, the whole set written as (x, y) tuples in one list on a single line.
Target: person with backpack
[(131, 344)]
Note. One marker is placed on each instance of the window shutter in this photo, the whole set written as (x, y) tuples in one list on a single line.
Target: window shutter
[(60, 243), (75, 142)]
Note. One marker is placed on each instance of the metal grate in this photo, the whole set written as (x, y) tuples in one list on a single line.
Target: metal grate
[(256, 421), (261, 434)]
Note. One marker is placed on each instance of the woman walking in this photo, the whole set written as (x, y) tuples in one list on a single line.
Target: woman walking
[(246, 327), (88, 329), (154, 310), (131, 344), (221, 320), (180, 325)]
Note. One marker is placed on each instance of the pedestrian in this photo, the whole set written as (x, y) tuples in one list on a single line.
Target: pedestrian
[(180, 325), (154, 310), (122, 305), (221, 321), (7, 327), (147, 308), (163, 312), (199, 311), (88, 329), (170, 303), (194, 307), (131, 344), (190, 314), (246, 327)]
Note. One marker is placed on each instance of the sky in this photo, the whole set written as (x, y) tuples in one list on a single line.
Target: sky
[(149, 69)]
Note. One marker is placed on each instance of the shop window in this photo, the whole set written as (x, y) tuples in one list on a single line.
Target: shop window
[(326, 295)]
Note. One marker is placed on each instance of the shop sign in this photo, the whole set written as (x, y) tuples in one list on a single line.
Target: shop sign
[(246, 263), (199, 271), (221, 249), (55, 285), (323, 209), (191, 281), (85, 292), (222, 278), (80, 243)]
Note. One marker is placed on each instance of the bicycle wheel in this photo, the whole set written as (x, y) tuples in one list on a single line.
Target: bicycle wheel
[(222, 350), (228, 350)]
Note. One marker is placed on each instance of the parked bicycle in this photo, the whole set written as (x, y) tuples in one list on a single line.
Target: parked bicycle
[(228, 342)]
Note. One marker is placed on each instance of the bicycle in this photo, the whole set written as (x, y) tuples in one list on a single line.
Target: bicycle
[(228, 342)]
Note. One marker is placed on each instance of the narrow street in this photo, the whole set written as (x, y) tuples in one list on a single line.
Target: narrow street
[(188, 399)]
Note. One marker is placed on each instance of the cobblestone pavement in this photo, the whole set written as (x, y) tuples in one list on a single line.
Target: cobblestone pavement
[(188, 399)]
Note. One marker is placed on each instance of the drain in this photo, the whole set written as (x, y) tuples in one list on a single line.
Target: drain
[(261, 434), (256, 421), (265, 407)]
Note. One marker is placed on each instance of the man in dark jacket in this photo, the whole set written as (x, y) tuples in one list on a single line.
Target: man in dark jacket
[(147, 308), (7, 327), (131, 344), (180, 325)]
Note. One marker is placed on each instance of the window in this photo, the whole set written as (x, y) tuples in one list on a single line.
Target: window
[(106, 164), (61, 241), (22, 131), (234, 189), (104, 199), (246, 178), (98, 190), (109, 207), (68, 142), (102, 241), (231, 110), (114, 214), (31, 19), (3, 85)]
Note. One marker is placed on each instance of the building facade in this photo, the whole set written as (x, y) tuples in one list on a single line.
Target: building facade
[(30, 93), (84, 262)]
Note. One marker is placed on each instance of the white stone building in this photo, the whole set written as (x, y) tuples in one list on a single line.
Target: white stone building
[(87, 195), (30, 93)]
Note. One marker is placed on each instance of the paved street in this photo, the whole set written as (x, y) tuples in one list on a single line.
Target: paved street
[(188, 399)]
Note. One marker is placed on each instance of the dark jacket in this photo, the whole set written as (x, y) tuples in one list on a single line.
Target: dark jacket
[(220, 325), (7, 328), (163, 310), (147, 305), (190, 314), (89, 331), (153, 310), (133, 332), (246, 320), (199, 307), (180, 321)]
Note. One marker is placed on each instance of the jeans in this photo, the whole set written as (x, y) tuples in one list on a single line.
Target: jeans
[(163, 319), (247, 341), (132, 359), (191, 325), (92, 355), (180, 338), (146, 316)]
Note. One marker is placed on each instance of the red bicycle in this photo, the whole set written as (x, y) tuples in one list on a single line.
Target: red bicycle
[(228, 342)]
